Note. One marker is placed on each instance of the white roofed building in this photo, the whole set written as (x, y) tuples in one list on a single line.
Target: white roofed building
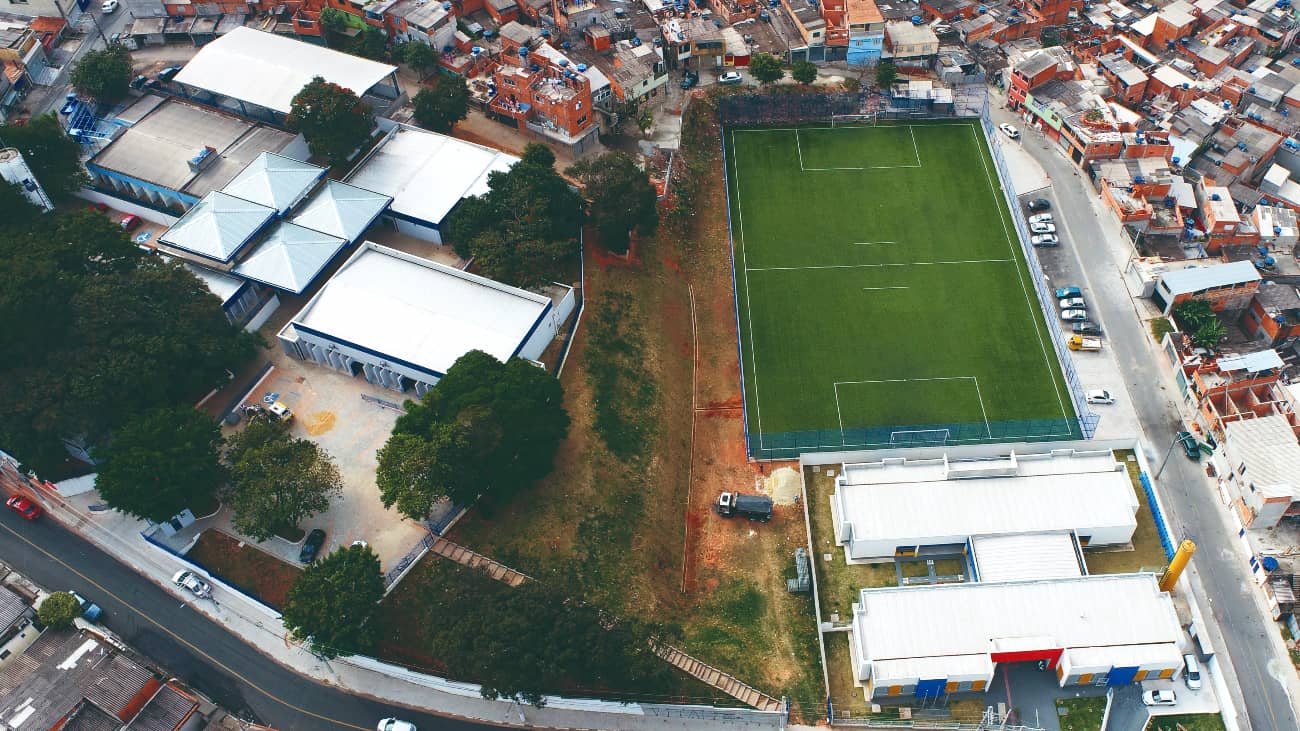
[(426, 174), (401, 321), (258, 74)]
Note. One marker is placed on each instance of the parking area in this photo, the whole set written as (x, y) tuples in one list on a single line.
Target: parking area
[(351, 420)]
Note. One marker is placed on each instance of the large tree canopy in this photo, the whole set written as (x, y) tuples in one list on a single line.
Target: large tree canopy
[(98, 332), (333, 604), (104, 75), (488, 428), (333, 119), (622, 198), (525, 228), (442, 104), (53, 156), (278, 479), (162, 462)]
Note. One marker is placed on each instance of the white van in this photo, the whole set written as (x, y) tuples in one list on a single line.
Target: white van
[(1191, 672)]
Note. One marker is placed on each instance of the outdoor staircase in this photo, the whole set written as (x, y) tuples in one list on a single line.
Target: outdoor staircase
[(712, 676), (462, 555)]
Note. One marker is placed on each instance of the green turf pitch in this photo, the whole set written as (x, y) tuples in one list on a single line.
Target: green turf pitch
[(879, 284)]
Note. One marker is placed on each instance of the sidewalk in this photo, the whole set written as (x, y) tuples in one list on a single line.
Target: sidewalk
[(260, 627)]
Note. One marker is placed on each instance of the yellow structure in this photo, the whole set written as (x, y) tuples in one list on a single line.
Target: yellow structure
[(1176, 566)]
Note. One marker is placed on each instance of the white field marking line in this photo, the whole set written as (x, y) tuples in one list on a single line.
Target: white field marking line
[(749, 311), (839, 414), (987, 427), (872, 289), (915, 149), (999, 203), (835, 386), (873, 243), (878, 266), (949, 441), (797, 146)]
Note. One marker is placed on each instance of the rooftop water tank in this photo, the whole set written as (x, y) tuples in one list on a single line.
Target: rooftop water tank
[(1277, 230), (523, 52), (1176, 159), (564, 62), (1186, 85), (1215, 197), (582, 68), (1227, 105)]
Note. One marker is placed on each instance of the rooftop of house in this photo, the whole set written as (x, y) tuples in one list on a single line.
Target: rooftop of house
[(906, 34), (1036, 62), (1123, 69), (1282, 299)]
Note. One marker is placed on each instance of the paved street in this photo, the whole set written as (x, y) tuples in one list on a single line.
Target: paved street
[(48, 98), (1194, 510), (188, 644)]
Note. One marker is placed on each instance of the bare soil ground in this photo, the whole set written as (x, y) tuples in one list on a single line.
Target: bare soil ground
[(245, 566)]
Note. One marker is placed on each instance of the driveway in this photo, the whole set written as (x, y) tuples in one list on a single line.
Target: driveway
[(1032, 693)]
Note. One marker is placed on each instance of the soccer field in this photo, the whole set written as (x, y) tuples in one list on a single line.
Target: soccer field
[(882, 296)]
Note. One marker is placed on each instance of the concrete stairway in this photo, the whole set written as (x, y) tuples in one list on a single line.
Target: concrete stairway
[(462, 555)]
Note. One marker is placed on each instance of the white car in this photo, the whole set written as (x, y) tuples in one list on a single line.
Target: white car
[(1040, 218), (1074, 315), (1159, 698), (193, 584), (1042, 228), (109, 6), (731, 77), (1044, 240), (1191, 672), (1071, 303), (1100, 396), (395, 724), (1009, 131)]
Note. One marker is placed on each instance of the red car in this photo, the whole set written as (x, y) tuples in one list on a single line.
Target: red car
[(130, 222), (24, 507)]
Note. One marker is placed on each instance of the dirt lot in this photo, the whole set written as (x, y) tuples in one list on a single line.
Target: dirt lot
[(245, 566)]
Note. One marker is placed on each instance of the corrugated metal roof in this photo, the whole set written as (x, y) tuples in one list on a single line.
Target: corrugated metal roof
[(165, 711), (217, 226), (12, 608), (1252, 362), (290, 257), (341, 210), (117, 684), (274, 181), (1269, 449), (1199, 279), (1026, 556), (269, 70)]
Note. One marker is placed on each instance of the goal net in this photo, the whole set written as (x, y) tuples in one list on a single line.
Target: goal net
[(910, 437), (852, 120)]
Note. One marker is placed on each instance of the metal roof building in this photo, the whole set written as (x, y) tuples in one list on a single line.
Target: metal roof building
[(427, 175), (902, 504), (402, 321), (275, 181), (259, 73), (218, 226), (1267, 460), (925, 642), (1198, 279)]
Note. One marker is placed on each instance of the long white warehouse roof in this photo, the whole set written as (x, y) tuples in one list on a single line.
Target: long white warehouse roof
[(909, 503), (269, 70), (426, 173), (420, 312), (977, 618)]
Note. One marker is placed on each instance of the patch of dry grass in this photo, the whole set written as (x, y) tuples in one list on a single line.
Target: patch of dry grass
[(1147, 553), (838, 582)]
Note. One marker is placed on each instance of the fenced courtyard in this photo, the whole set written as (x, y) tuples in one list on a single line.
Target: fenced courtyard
[(883, 296)]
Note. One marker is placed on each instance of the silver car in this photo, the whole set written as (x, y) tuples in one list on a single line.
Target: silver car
[(1072, 303), (1074, 315), (188, 581), (1042, 228)]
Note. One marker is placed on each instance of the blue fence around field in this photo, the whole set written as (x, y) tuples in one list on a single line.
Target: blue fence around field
[(1166, 540), (790, 445)]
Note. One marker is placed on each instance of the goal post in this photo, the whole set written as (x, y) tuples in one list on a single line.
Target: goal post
[(852, 120), (912, 437)]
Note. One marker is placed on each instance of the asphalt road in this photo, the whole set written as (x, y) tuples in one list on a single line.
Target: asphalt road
[(187, 644), (1193, 507)]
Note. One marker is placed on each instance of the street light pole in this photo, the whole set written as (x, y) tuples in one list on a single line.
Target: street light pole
[(1164, 461)]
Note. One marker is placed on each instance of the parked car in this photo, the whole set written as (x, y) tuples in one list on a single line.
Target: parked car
[(1074, 315), (1072, 303), (1087, 327), (1159, 698), (1190, 447), (108, 7), (311, 546), (731, 77), (130, 222), (1041, 218), (1100, 396), (169, 73), (90, 611), (690, 79), (1045, 240), (190, 582), (1067, 292), (1039, 204), (139, 81), (395, 724), (1042, 228), (1009, 131), (1191, 672), (24, 507)]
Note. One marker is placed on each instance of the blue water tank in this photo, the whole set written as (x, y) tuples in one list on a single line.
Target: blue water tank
[(564, 62), (1269, 563), (1186, 85), (1227, 105), (582, 68), (1277, 230), (983, 9), (523, 53), (1177, 159), (1215, 197)]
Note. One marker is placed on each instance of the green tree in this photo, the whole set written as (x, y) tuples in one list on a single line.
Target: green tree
[(766, 68), (622, 198), (534, 215), (442, 105), (419, 56), (334, 20), (645, 119), (19, 210), (1193, 314), (333, 119), (54, 157), (104, 75), (534, 639), (487, 428), (161, 462), (369, 42), (804, 72), (852, 83), (1209, 334), (886, 74), (332, 605), (278, 480), (59, 610)]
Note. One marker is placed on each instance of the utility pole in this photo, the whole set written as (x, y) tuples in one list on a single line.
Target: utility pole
[(94, 21)]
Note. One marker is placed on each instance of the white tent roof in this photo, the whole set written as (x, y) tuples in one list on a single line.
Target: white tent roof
[(275, 181), (290, 257), (977, 618), (341, 210), (269, 70), (420, 312), (217, 226), (426, 173)]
